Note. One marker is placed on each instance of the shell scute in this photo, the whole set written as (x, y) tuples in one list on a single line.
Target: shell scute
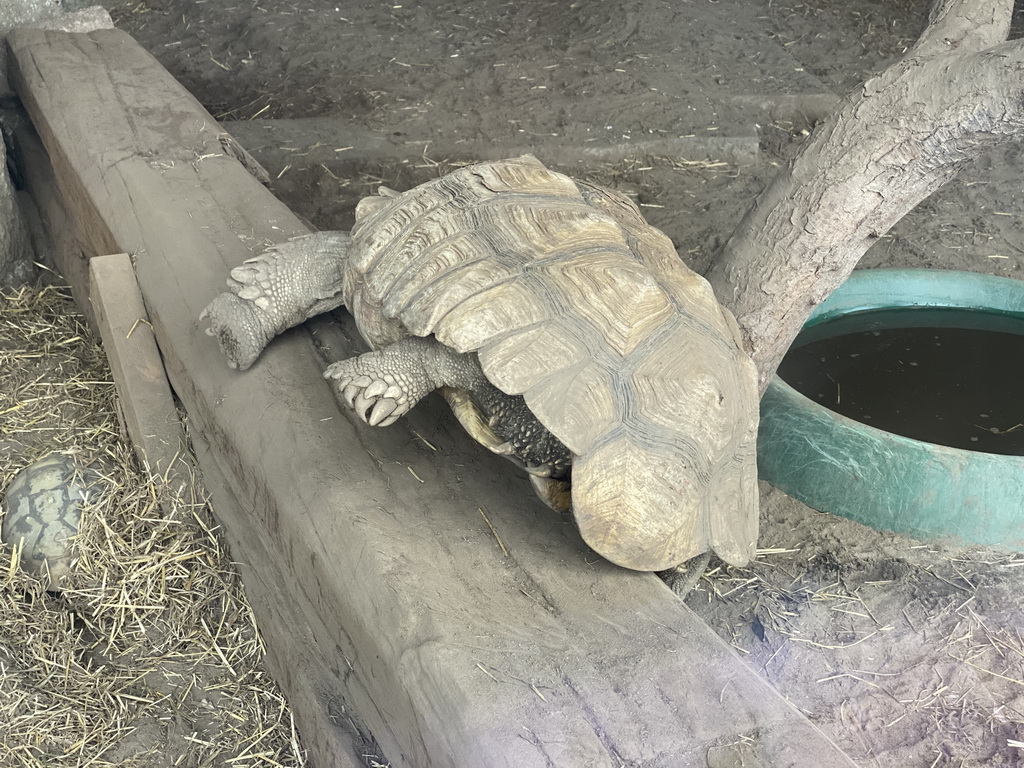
[(518, 362), (539, 228), (688, 382), (730, 503), (523, 176), (617, 297), (643, 507), (423, 269), (373, 236), (423, 314), (578, 404), (494, 313), (414, 245)]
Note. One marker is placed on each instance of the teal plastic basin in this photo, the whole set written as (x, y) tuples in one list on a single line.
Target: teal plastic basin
[(835, 464)]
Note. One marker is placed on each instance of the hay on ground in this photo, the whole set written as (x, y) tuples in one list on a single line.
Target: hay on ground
[(150, 656)]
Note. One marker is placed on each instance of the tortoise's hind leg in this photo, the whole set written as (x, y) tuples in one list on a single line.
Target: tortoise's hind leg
[(282, 287), (684, 577), (557, 494)]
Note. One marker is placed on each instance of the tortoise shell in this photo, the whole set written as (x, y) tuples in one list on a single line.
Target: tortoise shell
[(573, 301)]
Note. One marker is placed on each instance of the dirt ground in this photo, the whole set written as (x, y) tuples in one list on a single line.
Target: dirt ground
[(908, 653)]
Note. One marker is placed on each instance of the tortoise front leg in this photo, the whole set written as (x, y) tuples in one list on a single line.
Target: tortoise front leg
[(384, 385), (282, 287)]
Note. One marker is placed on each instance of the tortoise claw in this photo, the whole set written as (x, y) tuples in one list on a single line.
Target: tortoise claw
[(377, 398), (381, 411)]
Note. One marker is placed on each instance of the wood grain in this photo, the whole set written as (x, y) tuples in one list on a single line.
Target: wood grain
[(65, 255)]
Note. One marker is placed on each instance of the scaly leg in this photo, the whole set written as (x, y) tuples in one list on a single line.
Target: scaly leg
[(385, 384), (282, 287), (557, 494)]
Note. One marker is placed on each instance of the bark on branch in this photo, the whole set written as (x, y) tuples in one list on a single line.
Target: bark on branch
[(893, 142), (965, 26)]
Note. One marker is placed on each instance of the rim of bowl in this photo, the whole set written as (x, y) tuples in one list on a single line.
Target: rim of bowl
[(873, 289)]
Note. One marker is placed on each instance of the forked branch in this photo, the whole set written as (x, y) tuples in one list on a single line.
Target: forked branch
[(958, 93)]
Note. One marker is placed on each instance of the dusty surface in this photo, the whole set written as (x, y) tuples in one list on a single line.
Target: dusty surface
[(908, 653)]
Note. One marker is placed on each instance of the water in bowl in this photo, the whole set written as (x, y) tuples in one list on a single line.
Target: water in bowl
[(947, 376)]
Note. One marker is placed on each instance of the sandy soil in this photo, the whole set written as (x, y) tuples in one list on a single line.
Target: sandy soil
[(908, 653)]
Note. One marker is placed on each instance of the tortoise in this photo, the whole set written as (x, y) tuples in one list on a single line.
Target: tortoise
[(564, 331), (42, 511)]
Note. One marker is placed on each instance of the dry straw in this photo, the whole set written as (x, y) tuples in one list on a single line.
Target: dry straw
[(150, 656)]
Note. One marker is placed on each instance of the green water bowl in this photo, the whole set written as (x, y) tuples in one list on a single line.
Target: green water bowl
[(838, 465)]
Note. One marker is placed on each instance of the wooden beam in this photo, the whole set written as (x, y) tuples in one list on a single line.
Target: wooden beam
[(66, 257), (151, 418), (413, 621), (144, 395), (324, 135), (291, 628)]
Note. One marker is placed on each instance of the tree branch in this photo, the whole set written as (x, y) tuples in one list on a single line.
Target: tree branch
[(964, 26), (892, 143)]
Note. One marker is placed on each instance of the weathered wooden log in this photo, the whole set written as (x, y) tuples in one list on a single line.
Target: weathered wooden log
[(15, 243), (377, 552), (151, 418)]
